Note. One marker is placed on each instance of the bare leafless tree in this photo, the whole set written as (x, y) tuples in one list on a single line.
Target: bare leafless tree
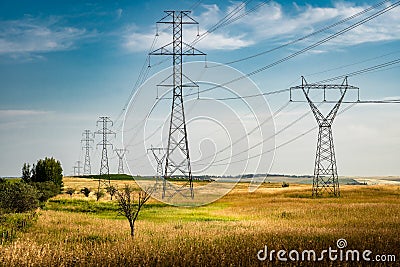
[(129, 207)]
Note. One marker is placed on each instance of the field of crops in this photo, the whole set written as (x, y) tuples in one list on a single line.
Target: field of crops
[(79, 231)]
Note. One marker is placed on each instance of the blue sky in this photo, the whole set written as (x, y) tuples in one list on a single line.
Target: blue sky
[(63, 64)]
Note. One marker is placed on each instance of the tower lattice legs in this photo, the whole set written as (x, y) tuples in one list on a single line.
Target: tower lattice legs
[(325, 170)]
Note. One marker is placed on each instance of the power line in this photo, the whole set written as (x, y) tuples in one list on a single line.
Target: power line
[(282, 144), (316, 44), (362, 71), (144, 72), (350, 74), (335, 77), (293, 101), (262, 141), (283, 129), (311, 34), (352, 64), (221, 23), (226, 20)]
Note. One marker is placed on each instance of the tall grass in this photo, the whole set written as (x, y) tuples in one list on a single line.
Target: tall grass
[(12, 224), (228, 232)]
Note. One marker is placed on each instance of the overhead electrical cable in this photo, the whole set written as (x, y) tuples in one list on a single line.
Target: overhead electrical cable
[(316, 44), (311, 34)]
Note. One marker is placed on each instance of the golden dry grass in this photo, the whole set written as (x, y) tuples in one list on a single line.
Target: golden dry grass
[(228, 232)]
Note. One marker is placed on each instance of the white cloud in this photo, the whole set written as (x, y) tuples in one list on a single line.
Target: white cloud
[(12, 113), (273, 22), (211, 16), (35, 35), (391, 98), (136, 42)]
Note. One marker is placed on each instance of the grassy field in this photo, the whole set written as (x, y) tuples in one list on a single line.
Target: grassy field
[(78, 231)]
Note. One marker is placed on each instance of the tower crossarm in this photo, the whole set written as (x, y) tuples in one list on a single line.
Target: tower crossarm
[(322, 119)]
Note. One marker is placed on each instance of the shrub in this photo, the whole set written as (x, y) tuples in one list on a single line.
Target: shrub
[(86, 191), (111, 190), (18, 197), (46, 190), (99, 194), (70, 191)]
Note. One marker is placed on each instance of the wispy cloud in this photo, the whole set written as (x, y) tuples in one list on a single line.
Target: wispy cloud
[(119, 12), (21, 118), (32, 36), (272, 22), (275, 23), (391, 98), (136, 41), (12, 113)]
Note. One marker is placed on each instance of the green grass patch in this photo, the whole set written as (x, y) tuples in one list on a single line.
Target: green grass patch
[(156, 212), (98, 208)]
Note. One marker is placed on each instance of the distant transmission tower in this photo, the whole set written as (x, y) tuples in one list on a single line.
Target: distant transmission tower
[(159, 157), (77, 168), (86, 146), (121, 154), (104, 132), (177, 162), (325, 169)]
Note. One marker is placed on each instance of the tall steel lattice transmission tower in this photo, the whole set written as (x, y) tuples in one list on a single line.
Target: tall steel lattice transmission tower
[(86, 146), (325, 178), (104, 131), (121, 154), (177, 162)]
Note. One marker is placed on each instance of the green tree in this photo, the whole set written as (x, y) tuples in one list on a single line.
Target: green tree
[(18, 197), (48, 169), (26, 173)]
